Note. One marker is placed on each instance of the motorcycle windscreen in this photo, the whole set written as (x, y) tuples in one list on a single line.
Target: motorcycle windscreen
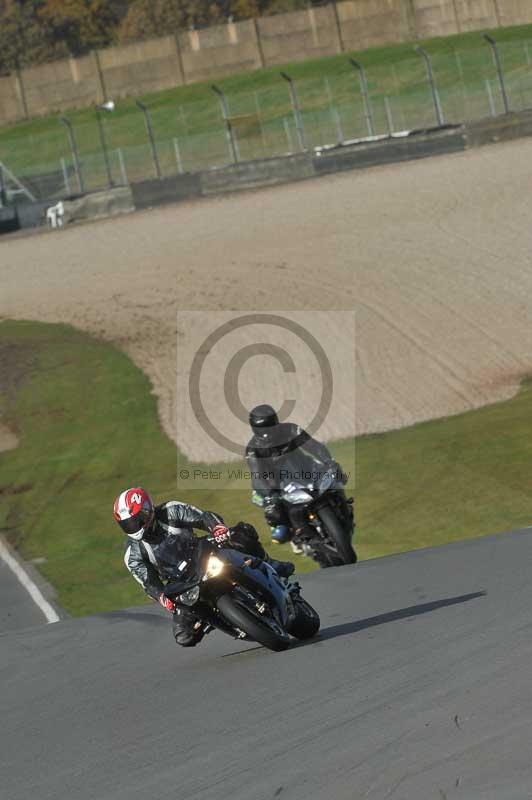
[(178, 562)]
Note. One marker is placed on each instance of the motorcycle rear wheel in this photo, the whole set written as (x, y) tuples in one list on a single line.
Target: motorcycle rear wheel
[(244, 619), (341, 540)]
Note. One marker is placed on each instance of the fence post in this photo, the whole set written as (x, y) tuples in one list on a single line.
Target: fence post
[(228, 127), (259, 118), (121, 161), (297, 111), (103, 145), (3, 192), (328, 91), (74, 149), (498, 66), (338, 122), (65, 176), (183, 120), (286, 126), (149, 131), (365, 97), (491, 103), (178, 158), (430, 75), (389, 117)]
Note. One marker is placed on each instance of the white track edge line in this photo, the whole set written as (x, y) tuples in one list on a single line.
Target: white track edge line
[(32, 589)]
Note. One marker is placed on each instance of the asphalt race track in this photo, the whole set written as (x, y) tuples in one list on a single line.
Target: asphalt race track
[(419, 687), (17, 609)]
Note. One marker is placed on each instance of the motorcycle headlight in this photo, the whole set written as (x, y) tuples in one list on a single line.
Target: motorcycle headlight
[(214, 567), (190, 597), (297, 496)]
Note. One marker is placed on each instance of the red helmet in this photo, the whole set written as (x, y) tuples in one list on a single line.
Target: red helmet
[(134, 512)]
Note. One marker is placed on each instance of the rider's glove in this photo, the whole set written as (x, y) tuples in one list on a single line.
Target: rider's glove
[(166, 603), (253, 562), (220, 534), (273, 510)]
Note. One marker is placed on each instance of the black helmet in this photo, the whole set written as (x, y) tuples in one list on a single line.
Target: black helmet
[(262, 419)]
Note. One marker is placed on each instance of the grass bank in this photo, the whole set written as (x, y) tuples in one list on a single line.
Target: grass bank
[(88, 427), (329, 96)]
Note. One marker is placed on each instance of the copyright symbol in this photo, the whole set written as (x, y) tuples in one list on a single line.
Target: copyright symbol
[(323, 387), (184, 474)]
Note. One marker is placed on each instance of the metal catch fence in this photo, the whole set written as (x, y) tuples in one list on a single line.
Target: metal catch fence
[(115, 145)]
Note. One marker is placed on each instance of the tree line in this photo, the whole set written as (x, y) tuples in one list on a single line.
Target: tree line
[(34, 31)]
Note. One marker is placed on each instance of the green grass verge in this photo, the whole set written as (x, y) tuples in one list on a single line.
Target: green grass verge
[(88, 427), (327, 87)]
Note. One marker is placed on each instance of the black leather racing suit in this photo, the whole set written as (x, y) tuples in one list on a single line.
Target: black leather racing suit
[(171, 534), (286, 452)]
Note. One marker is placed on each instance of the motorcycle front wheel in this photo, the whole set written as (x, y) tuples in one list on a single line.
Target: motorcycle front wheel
[(341, 539), (307, 621), (260, 630)]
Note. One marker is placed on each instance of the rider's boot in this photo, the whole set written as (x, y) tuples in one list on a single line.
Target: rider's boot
[(187, 628), (281, 534)]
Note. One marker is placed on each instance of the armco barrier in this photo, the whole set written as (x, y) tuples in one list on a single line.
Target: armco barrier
[(286, 169), (499, 129), (387, 151), (166, 190), (31, 215), (90, 206), (99, 204), (263, 172), (8, 220)]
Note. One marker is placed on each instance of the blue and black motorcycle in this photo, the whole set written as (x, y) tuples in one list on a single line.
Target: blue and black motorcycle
[(241, 596)]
